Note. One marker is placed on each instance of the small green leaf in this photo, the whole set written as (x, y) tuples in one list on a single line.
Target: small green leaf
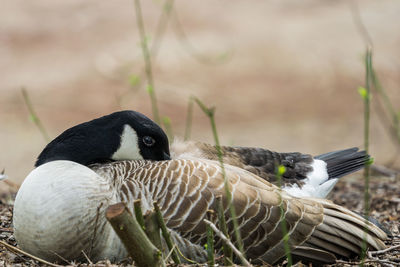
[(281, 170), (205, 246), (33, 118), (166, 120), (134, 80), (146, 41), (150, 89), (370, 161), (167, 7), (363, 93)]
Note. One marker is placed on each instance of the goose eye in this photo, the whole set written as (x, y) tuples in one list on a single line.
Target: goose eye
[(148, 140)]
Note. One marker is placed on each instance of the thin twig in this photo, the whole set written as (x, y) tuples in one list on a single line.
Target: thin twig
[(210, 240), (35, 119), (210, 114), (162, 23), (388, 104), (280, 170), (189, 118), (366, 95), (183, 256), (368, 261), (147, 61), (222, 224), (170, 253), (362, 30), (168, 128), (191, 50), (61, 258), (11, 184), (161, 27), (86, 256), (377, 252), (95, 228), (166, 234), (14, 249), (227, 241), (8, 230)]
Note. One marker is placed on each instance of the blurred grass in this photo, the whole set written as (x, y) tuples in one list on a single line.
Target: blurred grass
[(210, 112), (365, 94), (372, 82), (33, 115)]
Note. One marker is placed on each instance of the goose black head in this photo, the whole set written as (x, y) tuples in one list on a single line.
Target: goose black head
[(123, 135)]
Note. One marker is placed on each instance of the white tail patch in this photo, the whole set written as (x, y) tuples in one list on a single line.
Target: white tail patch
[(317, 184)]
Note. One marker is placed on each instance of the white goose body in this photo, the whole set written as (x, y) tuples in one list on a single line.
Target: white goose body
[(59, 209)]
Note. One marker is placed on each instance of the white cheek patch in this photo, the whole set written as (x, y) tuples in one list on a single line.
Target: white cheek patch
[(129, 147)]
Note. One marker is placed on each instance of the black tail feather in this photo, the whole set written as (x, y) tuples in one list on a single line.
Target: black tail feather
[(343, 162)]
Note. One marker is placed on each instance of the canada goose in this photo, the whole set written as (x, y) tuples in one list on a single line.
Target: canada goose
[(59, 209)]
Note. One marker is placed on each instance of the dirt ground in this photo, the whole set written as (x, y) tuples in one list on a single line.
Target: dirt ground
[(282, 74), (385, 204)]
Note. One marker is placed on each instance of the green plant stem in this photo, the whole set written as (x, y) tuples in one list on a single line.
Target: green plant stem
[(191, 50), (210, 240), (280, 170), (168, 128), (387, 103), (161, 26), (228, 254), (166, 234), (189, 119), (33, 116), (364, 34), (368, 69), (147, 60), (210, 114)]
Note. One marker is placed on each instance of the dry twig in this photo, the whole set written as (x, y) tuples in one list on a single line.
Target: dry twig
[(227, 241), (17, 250), (383, 262), (222, 224), (377, 252)]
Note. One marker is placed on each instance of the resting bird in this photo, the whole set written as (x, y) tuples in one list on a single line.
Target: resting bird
[(59, 209)]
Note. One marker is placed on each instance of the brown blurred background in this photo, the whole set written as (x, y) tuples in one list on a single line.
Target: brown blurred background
[(282, 74)]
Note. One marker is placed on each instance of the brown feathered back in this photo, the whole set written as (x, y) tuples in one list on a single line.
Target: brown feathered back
[(185, 189)]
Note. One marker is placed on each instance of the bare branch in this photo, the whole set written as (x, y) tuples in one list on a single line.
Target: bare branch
[(227, 241), (17, 250)]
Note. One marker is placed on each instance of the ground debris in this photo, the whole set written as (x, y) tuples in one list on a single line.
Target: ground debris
[(349, 192)]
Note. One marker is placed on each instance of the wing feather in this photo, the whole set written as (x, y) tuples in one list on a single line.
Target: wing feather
[(185, 189)]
